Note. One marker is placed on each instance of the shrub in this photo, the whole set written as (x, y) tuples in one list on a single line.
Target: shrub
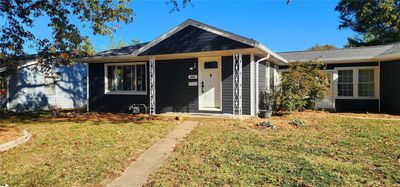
[(302, 86), (266, 124), (298, 123)]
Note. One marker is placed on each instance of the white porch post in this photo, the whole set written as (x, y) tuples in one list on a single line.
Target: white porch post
[(237, 84), (257, 88), (152, 72)]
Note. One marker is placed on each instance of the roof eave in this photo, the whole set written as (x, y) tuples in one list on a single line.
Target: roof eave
[(268, 51), (338, 60), (389, 57)]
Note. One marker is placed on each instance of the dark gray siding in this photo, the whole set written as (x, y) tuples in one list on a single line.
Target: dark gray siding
[(99, 102), (357, 105), (172, 90), (193, 39), (390, 87), (227, 84), (262, 75)]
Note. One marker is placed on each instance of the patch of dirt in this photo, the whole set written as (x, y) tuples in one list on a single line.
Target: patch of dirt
[(9, 134)]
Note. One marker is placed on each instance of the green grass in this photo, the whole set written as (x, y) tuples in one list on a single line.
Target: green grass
[(330, 151), (76, 153)]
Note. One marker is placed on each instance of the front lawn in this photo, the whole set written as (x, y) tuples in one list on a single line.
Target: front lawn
[(329, 151), (76, 151)]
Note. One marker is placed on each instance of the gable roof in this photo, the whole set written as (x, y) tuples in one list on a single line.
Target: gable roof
[(369, 53), (193, 39), (239, 42)]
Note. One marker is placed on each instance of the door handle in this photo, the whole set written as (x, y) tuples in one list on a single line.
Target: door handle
[(202, 87)]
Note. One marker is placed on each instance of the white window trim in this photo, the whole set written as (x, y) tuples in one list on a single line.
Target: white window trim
[(108, 92), (355, 82)]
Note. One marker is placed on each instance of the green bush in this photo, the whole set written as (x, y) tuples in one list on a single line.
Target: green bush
[(302, 86)]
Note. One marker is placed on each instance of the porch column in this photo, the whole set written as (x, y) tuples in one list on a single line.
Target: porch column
[(152, 77), (257, 94), (237, 84)]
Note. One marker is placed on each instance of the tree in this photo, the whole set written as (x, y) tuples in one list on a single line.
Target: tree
[(302, 86), (318, 47), (136, 41), (374, 21), (103, 17)]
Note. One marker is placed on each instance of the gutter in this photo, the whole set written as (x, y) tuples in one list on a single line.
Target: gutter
[(270, 52)]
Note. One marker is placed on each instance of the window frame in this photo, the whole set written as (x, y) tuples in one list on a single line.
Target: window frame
[(356, 82), (373, 82), (352, 83), (121, 92)]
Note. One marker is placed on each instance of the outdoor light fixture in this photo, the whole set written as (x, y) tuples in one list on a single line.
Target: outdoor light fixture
[(193, 67)]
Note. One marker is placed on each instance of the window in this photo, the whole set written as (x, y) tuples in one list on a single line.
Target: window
[(366, 82), (126, 78), (345, 83), (357, 82), (211, 65), (49, 85)]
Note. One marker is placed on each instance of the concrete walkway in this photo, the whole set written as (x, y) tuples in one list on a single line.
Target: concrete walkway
[(139, 171)]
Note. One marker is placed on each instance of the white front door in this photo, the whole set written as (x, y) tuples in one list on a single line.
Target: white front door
[(328, 101), (210, 84)]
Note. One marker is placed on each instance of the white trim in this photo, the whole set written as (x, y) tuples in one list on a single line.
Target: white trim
[(356, 82), (152, 84), (252, 85), (87, 87), (257, 87), (237, 84), (199, 73), (268, 78), (8, 92), (108, 92)]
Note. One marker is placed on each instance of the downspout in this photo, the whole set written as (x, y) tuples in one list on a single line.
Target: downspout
[(257, 81)]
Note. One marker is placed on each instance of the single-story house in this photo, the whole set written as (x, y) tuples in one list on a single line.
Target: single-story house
[(29, 89), (363, 79), (197, 68)]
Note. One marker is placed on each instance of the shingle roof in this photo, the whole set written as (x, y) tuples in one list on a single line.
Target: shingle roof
[(395, 49), (127, 50), (136, 50), (345, 53)]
